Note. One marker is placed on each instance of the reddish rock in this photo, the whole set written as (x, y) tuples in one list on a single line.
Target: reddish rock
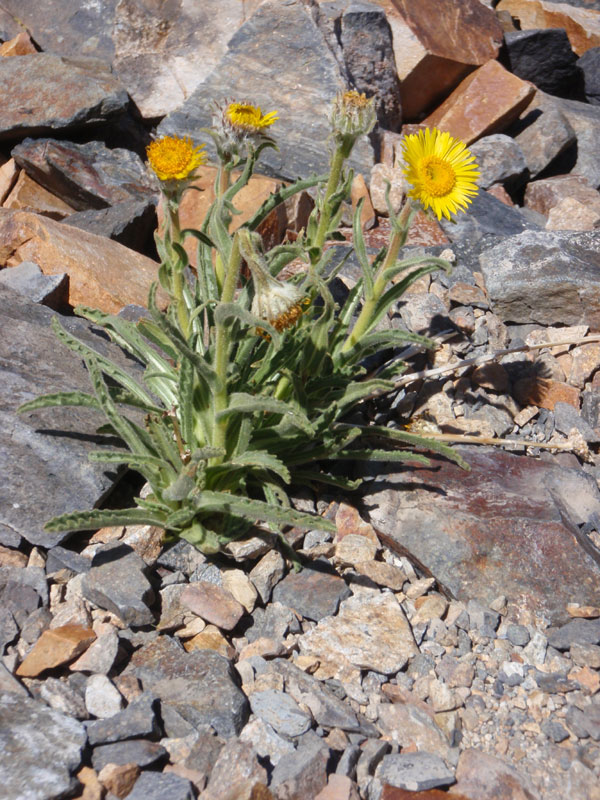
[(210, 638), (440, 42), (27, 195), (394, 793), (480, 776), (102, 273), (119, 778), (348, 521), (499, 192), (21, 45), (9, 173), (424, 232), (359, 191), (55, 647), (545, 194), (483, 103), (581, 24), (339, 787), (213, 603), (572, 215)]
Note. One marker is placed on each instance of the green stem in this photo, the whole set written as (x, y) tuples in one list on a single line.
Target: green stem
[(337, 163), (177, 276)]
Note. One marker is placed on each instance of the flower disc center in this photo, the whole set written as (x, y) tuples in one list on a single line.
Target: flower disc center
[(437, 175)]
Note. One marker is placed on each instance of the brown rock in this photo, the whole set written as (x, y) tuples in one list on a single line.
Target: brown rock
[(92, 788), (499, 192), (439, 44), (55, 647), (393, 793), (585, 360), (8, 177), (480, 776), (28, 195), (102, 273), (210, 638), (213, 603), (12, 558), (587, 678), (359, 191), (381, 177), (483, 103), (545, 393), (21, 45), (348, 520), (572, 215), (545, 194), (586, 612), (119, 778), (463, 294), (339, 787), (383, 574), (581, 24), (264, 646)]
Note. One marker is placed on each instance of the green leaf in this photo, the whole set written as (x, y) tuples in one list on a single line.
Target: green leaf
[(243, 403), (228, 311), (380, 455), (102, 518), (60, 399), (361, 251), (304, 476), (416, 440), (281, 196), (263, 460)]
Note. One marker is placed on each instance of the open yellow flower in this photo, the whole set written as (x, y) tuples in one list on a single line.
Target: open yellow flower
[(174, 158), (249, 118), (441, 171)]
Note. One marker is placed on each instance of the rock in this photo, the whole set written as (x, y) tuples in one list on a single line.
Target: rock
[(383, 574), (119, 778), (156, 786), (213, 603), (21, 45), (518, 635), (102, 273), (369, 632), (484, 777), (267, 573), (315, 592), (546, 194), (571, 215), (28, 195), (438, 45), (554, 731), (301, 774), (455, 536), (45, 754), (383, 176), (566, 418), (500, 160), (102, 698), (138, 720), (210, 638), (133, 751), (585, 121), (61, 696), (45, 93), (241, 587), (281, 712), (545, 58), (198, 685), (543, 133), (354, 549), (117, 582), (485, 102), (585, 655), (55, 647), (272, 622), (411, 725), (589, 64), (414, 771), (339, 787), (265, 741), (130, 223), (486, 215), (580, 631), (423, 312), (236, 771), (582, 25), (280, 32), (542, 277)]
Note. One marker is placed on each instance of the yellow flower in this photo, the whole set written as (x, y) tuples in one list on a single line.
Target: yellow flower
[(441, 171), (249, 118), (173, 158)]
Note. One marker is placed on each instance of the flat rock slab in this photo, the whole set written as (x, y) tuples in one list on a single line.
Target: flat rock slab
[(257, 67), (506, 527), (41, 749), (45, 93), (549, 277), (43, 455)]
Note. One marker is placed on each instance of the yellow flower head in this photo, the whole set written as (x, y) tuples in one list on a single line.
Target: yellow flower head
[(249, 118), (441, 171), (173, 158)]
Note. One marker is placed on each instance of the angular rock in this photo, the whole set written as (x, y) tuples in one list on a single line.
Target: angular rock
[(546, 194), (410, 725), (369, 632), (55, 647), (45, 93), (571, 215), (8, 628), (545, 58), (102, 273), (301, 774), (281, 712), (454, 530), (485, 102), (156, 786), (138, 720), (213, 603), (281, 33), (579, 631), (500, 160), (485, 215), (543, 133), (585, 121), (438, 45), (549, 278), (130, 223), (133, 751), (485, 777), (267, 574), (581, 24), (100, 655), (272, 622), (61, 696), (589, 64), (236, 770), (119, 778), (198, 685), (117, 582), (414, 771), (41, 749), (27, 195), (314, 592)]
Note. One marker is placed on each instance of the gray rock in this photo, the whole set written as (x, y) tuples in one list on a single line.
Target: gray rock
[(591, 720), (204, 752), (237, 765), (130, 223), (282, 34), (44, 93), (133, 751), (575, 722), (60, 558), (8, 628), (546, 277), (181, 557), (158, 786), (27, 279), (486, 214), (545, 58), (198, 685), (61, 696), (589, 64), (102, 698), (117, 582), (43, 454), (424, 313), (281, 712), (348, 761), (581, 631), (138, 720), (566, 418), (265, 741), (543, 134), (500, 160), (41, 749), (482, 618), (414, 771), (8, 683), (585, 121), (30, 577), (518, 635), (554, 730), (87, 176), (314, 592), (371, 753), (303, 773), (554, 682), (366, 40)]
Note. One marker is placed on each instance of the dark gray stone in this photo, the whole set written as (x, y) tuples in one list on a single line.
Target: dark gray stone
[(41, 749), (87, 176), (281, 712), (482, 618), (314, 592), (366, 40), (372, 752), (44, 94), (130, 223), (198, 685), (500, 160), (133, 751), (554, 731), (585, 121), (61, 558), (27, 279), (158, 786), (43, 454), (543, 133), (575, 722), (589, 64), (581, 631), (31, 577), (554, 682), (117, 583), (138, 720), (8, 628), (204, 753), (303, 773), (348, 761), (181, 556), (36, 623), (591, 720), (282, 33), (517, 635), (548, 277), (415, 772), (566, 418), (8, 683), (486, 214), (545, 58)]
